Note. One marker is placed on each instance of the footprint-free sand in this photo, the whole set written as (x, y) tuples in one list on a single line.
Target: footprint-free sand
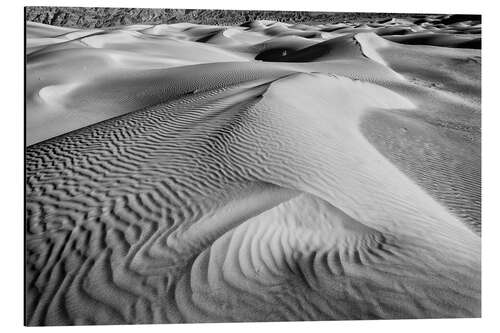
[(263, 172)]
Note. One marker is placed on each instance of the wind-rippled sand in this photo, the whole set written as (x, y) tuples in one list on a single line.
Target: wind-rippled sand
[(264, 172)]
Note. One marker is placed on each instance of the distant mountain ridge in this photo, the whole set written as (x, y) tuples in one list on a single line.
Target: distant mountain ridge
[(92, 17)]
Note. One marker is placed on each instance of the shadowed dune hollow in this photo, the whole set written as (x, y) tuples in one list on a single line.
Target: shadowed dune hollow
[(262, 172)]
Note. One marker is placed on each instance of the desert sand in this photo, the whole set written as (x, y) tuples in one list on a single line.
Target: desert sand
[(258, 172)]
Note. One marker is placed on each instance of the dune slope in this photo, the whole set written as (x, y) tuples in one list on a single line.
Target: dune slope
[(172, 177)]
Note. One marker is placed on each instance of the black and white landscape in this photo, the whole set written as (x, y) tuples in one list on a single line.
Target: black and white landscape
[(211, 166)]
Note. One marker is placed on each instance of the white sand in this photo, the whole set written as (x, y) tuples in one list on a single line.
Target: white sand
[(171, 177)]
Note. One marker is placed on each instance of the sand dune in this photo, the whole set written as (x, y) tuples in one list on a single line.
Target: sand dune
[(262, 172), (439, 39)]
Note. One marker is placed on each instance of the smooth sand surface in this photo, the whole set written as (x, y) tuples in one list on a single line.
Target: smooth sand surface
[(263, 172)]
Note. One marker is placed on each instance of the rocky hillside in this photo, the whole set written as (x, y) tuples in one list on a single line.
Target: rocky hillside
[(83, 17)]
